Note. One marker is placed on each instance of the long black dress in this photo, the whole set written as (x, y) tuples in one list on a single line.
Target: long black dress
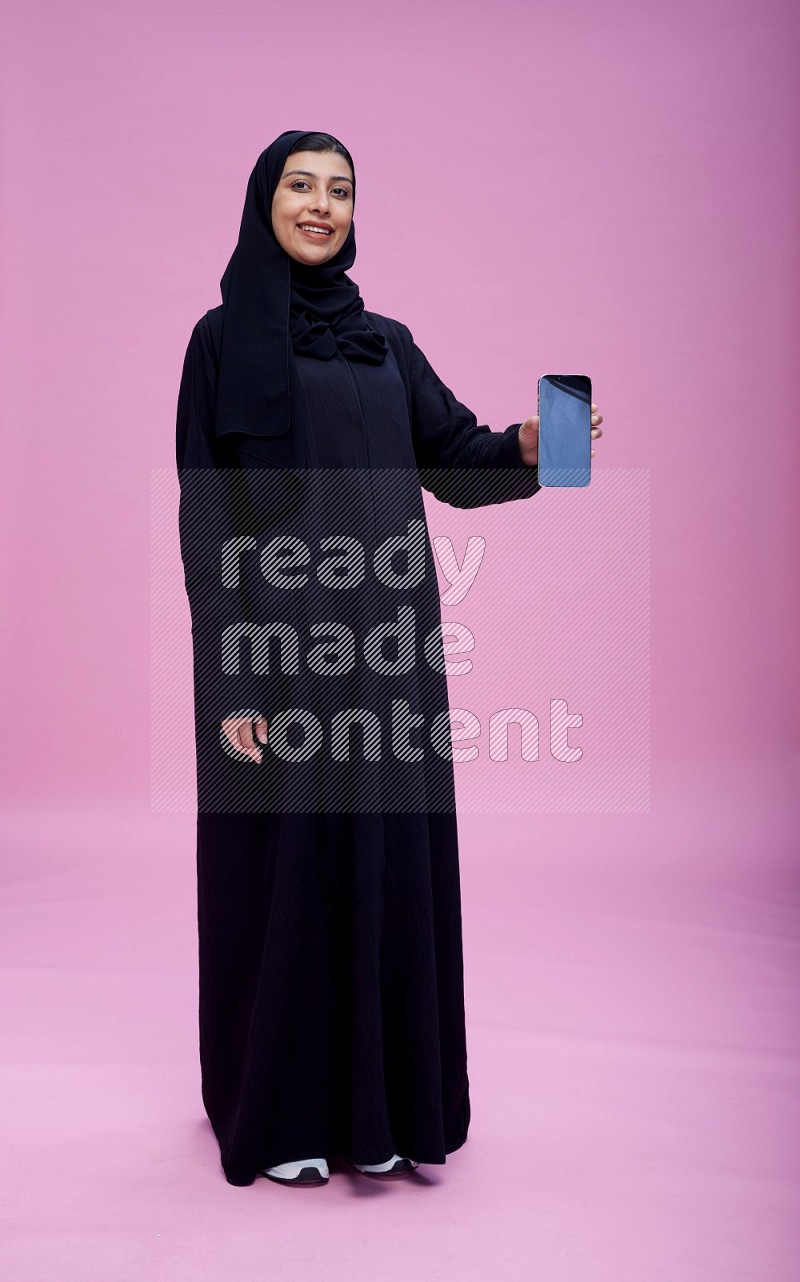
[(331, 983)]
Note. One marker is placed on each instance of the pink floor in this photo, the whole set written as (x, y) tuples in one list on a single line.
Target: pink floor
[(632, 1007)]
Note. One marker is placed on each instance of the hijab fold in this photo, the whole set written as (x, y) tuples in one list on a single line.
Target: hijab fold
[(274, 306)]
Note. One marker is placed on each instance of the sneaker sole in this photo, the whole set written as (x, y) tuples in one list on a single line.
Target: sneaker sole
[(308, 1176), (402, 1167)]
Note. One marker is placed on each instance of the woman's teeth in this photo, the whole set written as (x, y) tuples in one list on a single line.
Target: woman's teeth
[(318, 231)]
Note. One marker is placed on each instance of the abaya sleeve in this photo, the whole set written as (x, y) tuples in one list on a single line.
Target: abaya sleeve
[(205, 525), (462, 462)]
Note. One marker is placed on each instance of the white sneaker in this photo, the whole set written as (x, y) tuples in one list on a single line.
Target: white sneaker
[(395, 1165), (312, 1170)]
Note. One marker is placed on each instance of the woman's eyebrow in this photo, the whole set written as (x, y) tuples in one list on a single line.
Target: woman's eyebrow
[(337, 178)]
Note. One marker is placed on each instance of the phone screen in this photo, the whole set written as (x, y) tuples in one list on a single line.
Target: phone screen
[(565, 429)]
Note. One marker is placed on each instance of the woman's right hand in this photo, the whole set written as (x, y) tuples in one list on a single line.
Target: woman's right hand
[(239, 733)]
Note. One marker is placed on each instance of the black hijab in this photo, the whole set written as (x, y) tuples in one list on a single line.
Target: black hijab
[(273, 306)]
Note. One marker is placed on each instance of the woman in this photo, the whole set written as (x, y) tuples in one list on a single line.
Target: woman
[(331, 1004)]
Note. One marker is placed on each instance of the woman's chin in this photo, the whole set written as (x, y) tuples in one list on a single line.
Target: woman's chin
[(309, 257)]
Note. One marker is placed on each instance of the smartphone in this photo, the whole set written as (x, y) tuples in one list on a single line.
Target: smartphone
[(565, 429)]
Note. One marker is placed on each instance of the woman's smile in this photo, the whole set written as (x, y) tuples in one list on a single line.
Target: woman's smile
[(315, 229)]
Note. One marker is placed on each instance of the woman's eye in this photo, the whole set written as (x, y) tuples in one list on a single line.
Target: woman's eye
[(302, 182)]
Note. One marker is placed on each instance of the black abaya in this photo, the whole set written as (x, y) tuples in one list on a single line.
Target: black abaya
[(331, 1002)]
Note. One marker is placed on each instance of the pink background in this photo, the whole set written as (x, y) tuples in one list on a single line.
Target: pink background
[(608, 189)]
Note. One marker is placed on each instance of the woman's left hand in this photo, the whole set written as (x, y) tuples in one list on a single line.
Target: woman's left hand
[(529, 436)]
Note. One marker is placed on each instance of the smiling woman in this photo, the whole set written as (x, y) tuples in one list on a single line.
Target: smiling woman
[(312, 208), (331, 1007)]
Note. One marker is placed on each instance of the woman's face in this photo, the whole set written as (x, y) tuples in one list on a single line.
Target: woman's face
[(316, 188)]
